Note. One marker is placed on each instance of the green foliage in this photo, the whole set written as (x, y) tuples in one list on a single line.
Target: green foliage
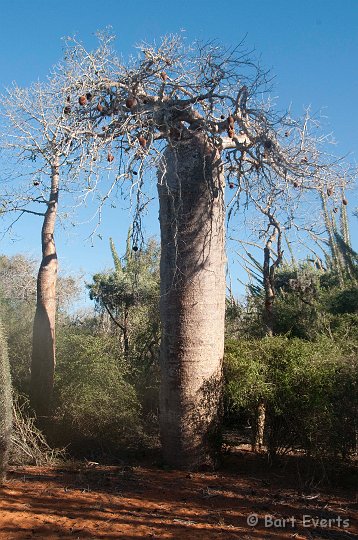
[(129, 294), (95, 402), (344, 301), (310, 390), (131, 284), (97, 386), (17, 310), (5, 405), (19, 324), (246, 376), (311, 302), (17, 303)]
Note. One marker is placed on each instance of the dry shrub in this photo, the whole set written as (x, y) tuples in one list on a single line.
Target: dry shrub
[(29, 446)]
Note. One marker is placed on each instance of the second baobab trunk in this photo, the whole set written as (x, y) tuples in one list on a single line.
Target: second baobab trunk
[(192, 272), (43, 351)]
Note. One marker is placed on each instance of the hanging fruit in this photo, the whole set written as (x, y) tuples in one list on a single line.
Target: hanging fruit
[(89, 96), (67, 109), (163, 76), (131, 102), (99, 107), (222, 117), (82, 100), (231, 121), (345, 201), (142, 141), (68, 99), (329, 191), (231, 185), (110, 157), (335, 210), (135, 248), (295, 184)]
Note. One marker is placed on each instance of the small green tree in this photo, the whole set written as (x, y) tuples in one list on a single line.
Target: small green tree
[(130, 296), (5, 405)]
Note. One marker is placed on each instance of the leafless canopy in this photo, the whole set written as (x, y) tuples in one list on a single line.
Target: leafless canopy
[(96, 107)]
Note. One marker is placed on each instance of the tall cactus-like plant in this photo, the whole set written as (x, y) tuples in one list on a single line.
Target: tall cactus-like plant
[(343, 259), (5, 405)]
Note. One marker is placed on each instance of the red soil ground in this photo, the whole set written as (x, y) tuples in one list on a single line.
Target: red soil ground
[(81, 501)]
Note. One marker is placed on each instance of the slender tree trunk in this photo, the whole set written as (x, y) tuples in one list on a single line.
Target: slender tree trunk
[(126, 332), (192, 272), (260, 424), (43, 349), (268, 319), (268, 315)]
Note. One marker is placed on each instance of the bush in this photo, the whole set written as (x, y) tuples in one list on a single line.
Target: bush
[(18, 323), (28, 444), (310, 390), (95, 404)]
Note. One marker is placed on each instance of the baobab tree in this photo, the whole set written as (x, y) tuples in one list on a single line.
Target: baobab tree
[(44, 140), (197, 114)]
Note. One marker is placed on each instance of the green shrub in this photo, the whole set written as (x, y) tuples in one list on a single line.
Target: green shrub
[(5, 405), (310, 391), (94, 401)]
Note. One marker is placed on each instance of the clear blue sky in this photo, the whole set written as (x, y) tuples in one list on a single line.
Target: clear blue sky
[(311, 47)]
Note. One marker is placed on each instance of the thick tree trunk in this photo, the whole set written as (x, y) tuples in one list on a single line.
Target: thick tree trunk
[(192, 272), (43, 350)]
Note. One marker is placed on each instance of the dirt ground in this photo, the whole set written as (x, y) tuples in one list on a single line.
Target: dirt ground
[(87, 500)]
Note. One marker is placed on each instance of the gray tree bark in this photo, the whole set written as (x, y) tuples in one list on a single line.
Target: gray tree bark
[(269, 286), (192, 309), (268, 318), (43, 347)]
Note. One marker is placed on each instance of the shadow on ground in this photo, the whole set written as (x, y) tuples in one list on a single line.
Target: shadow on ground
[(85, 500)]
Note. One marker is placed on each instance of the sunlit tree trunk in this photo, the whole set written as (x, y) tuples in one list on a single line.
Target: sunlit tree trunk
[(269, 268), (269, 287), (260, 424), (192, 272), (43, 351)]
